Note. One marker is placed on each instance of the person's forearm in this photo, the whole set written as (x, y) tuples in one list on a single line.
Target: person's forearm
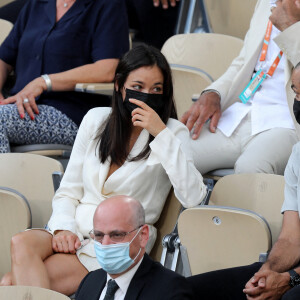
[(283, 257), (5, 69), (285, 254), (100, 71)]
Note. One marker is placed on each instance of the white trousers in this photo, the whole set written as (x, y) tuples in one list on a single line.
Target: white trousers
[(266, 152)]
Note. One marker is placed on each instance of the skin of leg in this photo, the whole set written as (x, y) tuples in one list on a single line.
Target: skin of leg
[(267, 152), (65, 272), (28, 251)]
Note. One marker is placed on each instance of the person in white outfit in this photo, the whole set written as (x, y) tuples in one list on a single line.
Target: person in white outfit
[(245, 118), (137, 148)]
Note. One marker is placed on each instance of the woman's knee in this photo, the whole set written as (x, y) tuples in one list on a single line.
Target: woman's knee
[(6, 280), (28, 244)]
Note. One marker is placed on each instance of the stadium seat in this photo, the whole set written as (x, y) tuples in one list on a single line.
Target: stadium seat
[(221, 237), (31, 175), (29, 293), (187, 81), (231, 17), (261, 193), (59, 152), (212, 53), (5, 28), (15, 216)]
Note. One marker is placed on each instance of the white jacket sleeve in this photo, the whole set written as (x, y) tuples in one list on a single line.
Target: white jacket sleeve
[(224, 83), (172, 149), (289, 42), (70, 193)]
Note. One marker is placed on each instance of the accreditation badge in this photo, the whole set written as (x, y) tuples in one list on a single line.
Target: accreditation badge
[(252, 86)]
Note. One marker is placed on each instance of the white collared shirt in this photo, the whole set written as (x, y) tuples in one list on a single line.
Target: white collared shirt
[(268, 106), (123, 282)]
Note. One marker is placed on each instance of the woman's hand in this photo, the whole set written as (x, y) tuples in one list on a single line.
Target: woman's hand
[(145, 117), (65, 241), (25, 99)]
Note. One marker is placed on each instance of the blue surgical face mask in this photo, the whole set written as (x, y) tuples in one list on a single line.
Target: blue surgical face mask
[(115, 258)]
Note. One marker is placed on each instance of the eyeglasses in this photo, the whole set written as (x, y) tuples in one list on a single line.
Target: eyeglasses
[(115, 236)]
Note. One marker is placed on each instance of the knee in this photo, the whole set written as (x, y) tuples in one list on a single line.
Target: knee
[(21, 248), (243, 165), (6, 280)]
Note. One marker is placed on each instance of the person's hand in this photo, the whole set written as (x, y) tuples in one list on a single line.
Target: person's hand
[(207, 106), (145, 117), (165, 3), (32, 90), (65, 241), (284, 15), (267, 284)]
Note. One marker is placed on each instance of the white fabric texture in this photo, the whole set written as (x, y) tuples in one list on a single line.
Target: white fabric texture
[(84, 184), (292, 182), (269, 108), (232, 83)]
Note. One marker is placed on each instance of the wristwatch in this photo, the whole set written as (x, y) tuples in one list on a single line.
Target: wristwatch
[(294, 278)]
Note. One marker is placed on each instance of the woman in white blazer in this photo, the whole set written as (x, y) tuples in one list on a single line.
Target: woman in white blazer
[(136, 148)]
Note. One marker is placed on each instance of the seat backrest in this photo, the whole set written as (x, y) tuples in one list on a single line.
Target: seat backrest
[(187, 82), (31, 175), (166, 223), (5, 28), (261, 193), (210, 52), (218, 238), (231, 17), (29, 293), (15, 216)]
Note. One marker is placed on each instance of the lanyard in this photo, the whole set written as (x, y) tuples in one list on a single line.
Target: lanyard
[(265, 50)]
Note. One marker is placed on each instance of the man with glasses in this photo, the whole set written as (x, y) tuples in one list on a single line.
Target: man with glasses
[(120, 236)]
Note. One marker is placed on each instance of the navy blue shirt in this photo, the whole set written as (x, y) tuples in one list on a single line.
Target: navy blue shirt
[(90, 30)]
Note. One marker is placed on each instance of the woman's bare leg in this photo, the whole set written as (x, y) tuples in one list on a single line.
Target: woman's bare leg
[(65, 272), (6, 280), (29, 249)]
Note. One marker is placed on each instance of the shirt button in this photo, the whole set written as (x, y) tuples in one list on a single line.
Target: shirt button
[(37, 57)]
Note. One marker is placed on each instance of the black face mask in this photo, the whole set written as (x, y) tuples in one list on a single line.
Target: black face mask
[(296, 109), (155, 101)]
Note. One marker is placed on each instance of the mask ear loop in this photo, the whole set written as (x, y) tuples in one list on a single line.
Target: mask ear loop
[(131, 242), (138, 254)]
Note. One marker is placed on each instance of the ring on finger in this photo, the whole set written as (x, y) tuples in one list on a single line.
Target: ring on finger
[(26, 100)]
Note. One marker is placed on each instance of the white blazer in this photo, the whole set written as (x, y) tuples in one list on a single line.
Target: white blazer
[(84, 184), (233, 81)]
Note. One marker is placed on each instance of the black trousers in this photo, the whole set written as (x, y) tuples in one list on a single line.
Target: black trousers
[(228, 284), (154, 24)]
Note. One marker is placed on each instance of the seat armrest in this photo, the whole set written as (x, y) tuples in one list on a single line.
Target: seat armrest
[(56, 178), (95, 88)]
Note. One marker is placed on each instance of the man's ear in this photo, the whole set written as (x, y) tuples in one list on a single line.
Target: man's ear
[(144, 237)]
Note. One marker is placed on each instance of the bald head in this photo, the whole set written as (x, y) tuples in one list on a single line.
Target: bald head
[(127, 208)]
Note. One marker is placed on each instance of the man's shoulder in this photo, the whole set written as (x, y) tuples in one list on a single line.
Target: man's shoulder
[(160, 274)]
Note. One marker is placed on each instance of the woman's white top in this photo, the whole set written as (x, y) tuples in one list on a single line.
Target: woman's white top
[(85, 183)]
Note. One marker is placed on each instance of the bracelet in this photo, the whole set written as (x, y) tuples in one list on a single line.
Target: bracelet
[(48, 82), (211, 90)]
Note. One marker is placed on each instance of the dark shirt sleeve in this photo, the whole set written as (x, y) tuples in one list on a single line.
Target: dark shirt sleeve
[(9, 48), (111, 38)]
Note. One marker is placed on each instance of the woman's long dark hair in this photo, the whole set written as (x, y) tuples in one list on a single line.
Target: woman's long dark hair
[(114, 135)]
